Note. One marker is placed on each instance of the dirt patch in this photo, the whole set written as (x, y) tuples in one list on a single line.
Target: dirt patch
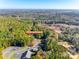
[(66, 45)]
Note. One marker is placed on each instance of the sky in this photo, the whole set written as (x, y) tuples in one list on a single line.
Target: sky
[(39, 4)]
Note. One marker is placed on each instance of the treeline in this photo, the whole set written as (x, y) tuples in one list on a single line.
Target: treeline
[(12, 33), (58, 18), (72, 36)]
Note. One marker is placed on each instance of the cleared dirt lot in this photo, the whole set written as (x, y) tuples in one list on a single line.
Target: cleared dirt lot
[(66, 45)]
